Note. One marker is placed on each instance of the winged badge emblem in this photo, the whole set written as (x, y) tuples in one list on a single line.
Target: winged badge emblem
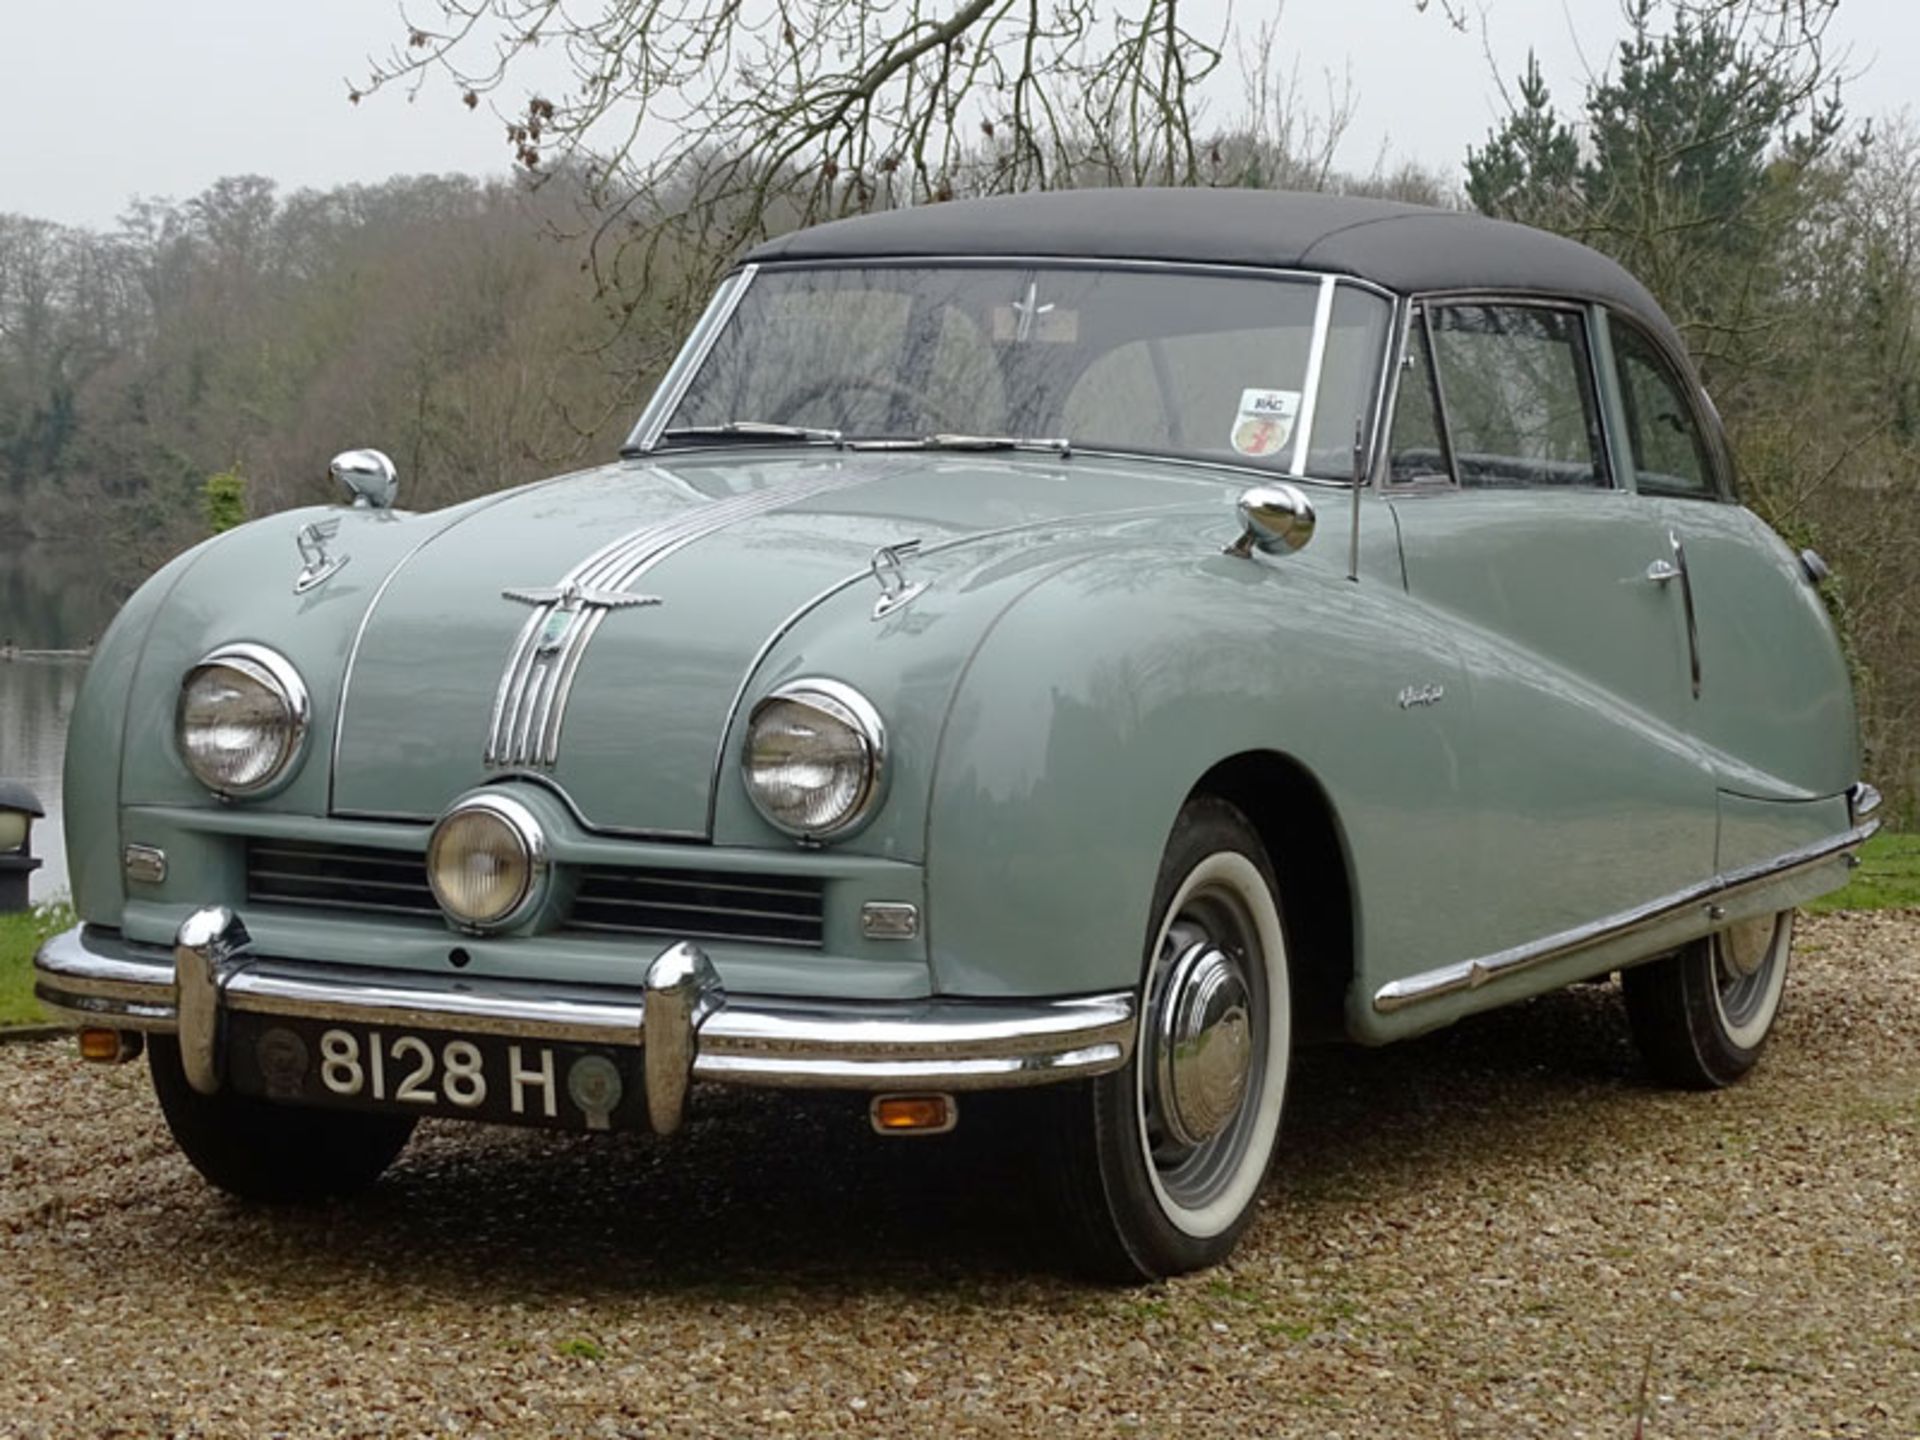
[(568, 601)]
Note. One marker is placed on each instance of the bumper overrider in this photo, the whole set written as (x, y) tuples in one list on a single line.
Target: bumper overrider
[(680, 1017)]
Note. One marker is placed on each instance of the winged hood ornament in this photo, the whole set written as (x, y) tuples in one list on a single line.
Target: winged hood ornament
[(317, 565), (569, 600)]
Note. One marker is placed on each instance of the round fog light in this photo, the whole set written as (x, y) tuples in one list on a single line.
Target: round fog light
[(485, 862)]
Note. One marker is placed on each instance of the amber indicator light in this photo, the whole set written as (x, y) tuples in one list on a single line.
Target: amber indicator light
[(103, 1045), (910, 1114)]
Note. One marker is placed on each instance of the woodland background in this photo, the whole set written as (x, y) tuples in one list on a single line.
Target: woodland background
[(199, 362)]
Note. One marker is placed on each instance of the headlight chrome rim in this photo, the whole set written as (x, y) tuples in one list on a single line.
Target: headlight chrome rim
[(849, 707), (272, 671), (525, 827)]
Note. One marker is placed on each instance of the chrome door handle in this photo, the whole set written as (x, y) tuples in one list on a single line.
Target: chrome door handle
[(1661, 571)]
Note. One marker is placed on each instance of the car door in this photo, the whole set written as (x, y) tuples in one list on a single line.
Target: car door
[(1773, 708), (1589, 795)]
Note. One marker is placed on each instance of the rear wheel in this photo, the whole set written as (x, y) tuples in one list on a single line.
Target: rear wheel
[(275, 1153), (1161, 1162), (1701, 1015)]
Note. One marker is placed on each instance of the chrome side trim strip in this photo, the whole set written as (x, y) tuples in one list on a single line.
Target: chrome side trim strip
[(1472, 974), (1310, 386), (90, 976)]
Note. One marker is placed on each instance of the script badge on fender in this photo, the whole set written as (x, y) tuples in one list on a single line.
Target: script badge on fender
[(1422, 695)]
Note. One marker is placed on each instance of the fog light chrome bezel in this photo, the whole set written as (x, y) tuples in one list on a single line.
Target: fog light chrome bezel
[(526, 828)]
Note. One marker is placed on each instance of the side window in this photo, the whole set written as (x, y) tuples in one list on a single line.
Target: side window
[(1417, 450), (1670, 455), (1518, 389)]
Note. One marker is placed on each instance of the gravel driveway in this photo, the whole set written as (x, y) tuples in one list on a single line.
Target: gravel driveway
[(1485, 1233)]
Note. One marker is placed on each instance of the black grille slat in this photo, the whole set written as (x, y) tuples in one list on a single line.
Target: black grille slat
[(338, 878), (705, 880), (292, 877), (808, 941), (336, 854), (352, 907), (677, 904), (779, 910), (687, 908)]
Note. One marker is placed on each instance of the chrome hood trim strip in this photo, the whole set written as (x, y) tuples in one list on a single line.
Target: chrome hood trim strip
[(530, 705)]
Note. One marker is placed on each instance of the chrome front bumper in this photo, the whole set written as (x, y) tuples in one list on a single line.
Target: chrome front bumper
[(686, 1024)]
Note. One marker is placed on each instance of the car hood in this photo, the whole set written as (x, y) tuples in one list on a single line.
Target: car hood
[(477, 661)]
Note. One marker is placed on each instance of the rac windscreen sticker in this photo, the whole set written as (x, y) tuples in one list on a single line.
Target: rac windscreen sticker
[(1265, 421)]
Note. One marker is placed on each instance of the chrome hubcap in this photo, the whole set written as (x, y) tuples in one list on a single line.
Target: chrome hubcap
[(1204, 1052), (1744, 947), (1744, 956)]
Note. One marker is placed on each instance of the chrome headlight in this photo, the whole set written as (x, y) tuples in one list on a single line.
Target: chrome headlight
[(241, 723), (815, 758), (486, 862)]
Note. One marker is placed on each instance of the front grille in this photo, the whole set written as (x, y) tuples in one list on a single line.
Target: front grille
[(675, 904), (701, 905), (338, 877)]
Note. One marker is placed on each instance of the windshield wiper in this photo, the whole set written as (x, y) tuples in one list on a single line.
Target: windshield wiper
[(751, 430), (1061, 446)]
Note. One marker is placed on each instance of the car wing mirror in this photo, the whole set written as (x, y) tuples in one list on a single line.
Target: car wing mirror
[(367, 476), (1277, 519)]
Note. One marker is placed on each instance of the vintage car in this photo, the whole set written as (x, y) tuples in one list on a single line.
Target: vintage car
[(1084, 643)]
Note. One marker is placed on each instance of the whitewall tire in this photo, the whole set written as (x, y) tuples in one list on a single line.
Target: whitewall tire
[(1162, 1162)]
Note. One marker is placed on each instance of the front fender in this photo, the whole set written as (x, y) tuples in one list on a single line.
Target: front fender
[(1102, 697), (241, 589), (90, 782), (235, 586)]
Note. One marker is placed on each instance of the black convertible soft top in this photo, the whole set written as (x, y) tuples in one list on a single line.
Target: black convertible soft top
[(1409, 248)]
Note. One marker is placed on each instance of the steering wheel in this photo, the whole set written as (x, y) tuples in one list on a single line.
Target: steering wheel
[(799, 399)]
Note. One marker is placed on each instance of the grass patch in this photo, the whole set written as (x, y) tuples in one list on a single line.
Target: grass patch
[(20, 936), (1888, 877)]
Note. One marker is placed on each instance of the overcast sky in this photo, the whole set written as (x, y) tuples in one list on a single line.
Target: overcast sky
[(116, 98)]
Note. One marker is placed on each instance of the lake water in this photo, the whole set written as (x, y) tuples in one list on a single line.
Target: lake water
[(49, 600)]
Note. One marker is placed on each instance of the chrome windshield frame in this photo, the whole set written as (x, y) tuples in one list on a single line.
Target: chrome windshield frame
[(1310, 382), (647, 433), (672, 388)]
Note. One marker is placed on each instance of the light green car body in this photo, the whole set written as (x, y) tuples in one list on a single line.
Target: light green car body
[(1462, 721)]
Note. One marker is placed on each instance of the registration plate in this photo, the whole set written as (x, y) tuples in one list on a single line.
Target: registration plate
[(430, 1072)]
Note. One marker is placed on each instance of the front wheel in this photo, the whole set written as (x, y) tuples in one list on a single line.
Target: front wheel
[(275, 1153), (1701, 1015), (1161, 1162)]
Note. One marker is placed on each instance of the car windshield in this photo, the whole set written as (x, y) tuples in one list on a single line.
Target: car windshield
[(1155, 360)]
